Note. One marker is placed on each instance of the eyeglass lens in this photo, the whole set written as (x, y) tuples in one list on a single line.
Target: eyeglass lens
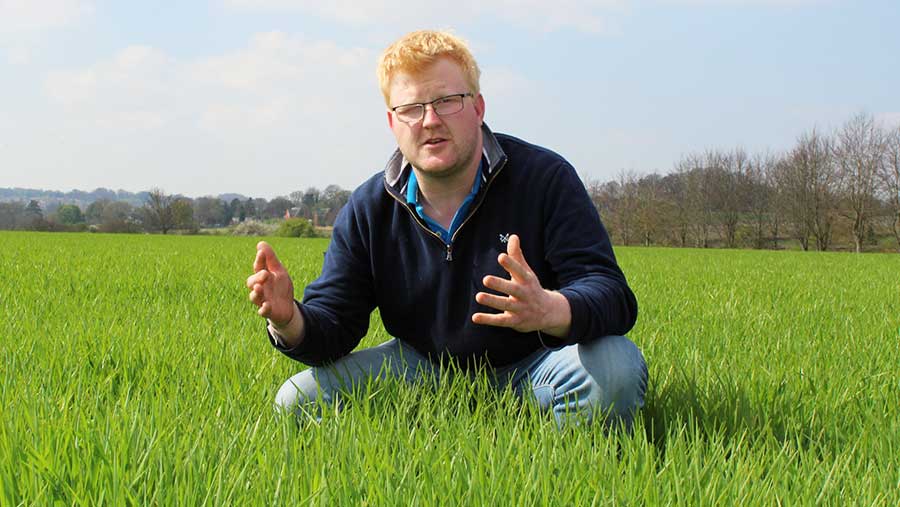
[(442, 106)]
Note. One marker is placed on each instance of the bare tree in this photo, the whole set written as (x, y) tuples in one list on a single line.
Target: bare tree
[(332, 200), (164, 212), (627, 206), (732, 192), (334, 196), (760, 198), (705, 194), (859, 150), (807, 182), (776, 205), (296, 197), (814, 152), (651, 209), (794, 196), (158, 212), (674, 191), (890, 178), (693, 185)]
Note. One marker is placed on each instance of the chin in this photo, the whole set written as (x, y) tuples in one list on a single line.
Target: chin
[(437, 167), (440, 171)]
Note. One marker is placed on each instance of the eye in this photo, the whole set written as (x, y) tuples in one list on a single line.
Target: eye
[(448, 105), (409, 112), (402, 110)]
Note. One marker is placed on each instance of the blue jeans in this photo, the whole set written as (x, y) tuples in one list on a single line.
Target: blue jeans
[(607, 376)]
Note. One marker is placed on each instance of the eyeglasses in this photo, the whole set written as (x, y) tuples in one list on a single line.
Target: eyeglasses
[(413, 113)]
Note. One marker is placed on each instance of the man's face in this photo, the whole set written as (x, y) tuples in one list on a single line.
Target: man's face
[(438, 146)]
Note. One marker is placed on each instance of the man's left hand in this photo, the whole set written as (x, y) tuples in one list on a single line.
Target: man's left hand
[(527, 306)]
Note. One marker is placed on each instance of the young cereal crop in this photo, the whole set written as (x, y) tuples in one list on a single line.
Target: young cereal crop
[(136, 372)]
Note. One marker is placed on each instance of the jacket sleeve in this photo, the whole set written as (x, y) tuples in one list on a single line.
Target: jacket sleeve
[(337, 305), (581, 255)]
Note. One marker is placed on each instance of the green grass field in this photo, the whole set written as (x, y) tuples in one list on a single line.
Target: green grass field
[(135, 371)]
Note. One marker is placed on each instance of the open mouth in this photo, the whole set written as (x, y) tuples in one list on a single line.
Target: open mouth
[(435, 141)]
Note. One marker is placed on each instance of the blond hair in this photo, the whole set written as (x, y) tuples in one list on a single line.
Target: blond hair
[(415, 51)]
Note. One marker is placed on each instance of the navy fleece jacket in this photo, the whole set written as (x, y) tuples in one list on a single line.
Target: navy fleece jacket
[(383, 255)]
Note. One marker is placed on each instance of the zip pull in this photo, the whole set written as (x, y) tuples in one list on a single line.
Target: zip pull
[(449, 253)]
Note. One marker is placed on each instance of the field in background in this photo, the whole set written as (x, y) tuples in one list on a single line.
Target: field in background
[(135, 371)]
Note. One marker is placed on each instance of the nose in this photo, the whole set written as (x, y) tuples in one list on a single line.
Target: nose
[(431, 117)]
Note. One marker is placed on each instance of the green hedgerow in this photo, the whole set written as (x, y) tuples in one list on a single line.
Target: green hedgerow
[(296, 228)]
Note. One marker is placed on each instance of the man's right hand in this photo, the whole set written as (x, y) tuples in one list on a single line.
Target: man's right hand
[(272, 291)]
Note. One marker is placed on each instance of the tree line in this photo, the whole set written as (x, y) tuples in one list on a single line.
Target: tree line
[(831, 190), (165, 213)]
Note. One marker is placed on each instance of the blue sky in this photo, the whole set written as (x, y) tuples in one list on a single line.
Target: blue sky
[(264, 97)]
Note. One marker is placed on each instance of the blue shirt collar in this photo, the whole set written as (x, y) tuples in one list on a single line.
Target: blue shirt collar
[(412, 197), (412, 184)]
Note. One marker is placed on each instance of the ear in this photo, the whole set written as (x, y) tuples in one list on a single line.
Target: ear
[(479, 106), (390, 119)]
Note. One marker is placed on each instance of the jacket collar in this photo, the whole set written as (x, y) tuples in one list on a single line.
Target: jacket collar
[(396, 172)]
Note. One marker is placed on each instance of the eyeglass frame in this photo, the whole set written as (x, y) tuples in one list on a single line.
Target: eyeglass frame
[(424, 107)]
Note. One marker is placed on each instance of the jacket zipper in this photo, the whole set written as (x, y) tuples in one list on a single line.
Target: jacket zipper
[(449, 246), (416, 219)]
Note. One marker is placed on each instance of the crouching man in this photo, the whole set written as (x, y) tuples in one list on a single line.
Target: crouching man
[(476, 247)]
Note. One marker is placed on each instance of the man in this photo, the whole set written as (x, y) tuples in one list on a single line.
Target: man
[(476, 247)]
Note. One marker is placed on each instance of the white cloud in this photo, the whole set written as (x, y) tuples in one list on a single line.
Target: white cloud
[(591, 16), (282, 111), (136, 89), (17, 16), (281, 103), (276, 78)]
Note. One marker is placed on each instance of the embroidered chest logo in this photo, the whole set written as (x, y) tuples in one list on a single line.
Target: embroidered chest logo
[(504, 238)]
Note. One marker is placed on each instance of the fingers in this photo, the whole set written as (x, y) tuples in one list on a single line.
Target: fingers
[(257, 295), (525, 306), (256, 283), (514, 248), (518, 269), (512, 245), (266, 258), (494, 319), (259, 277), (498, 284), (513, 261), (496, 302), (259, 262), (270, 286)]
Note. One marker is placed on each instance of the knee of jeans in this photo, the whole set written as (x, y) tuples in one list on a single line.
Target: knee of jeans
[(618, 370), (301, 388), (544, 396)]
